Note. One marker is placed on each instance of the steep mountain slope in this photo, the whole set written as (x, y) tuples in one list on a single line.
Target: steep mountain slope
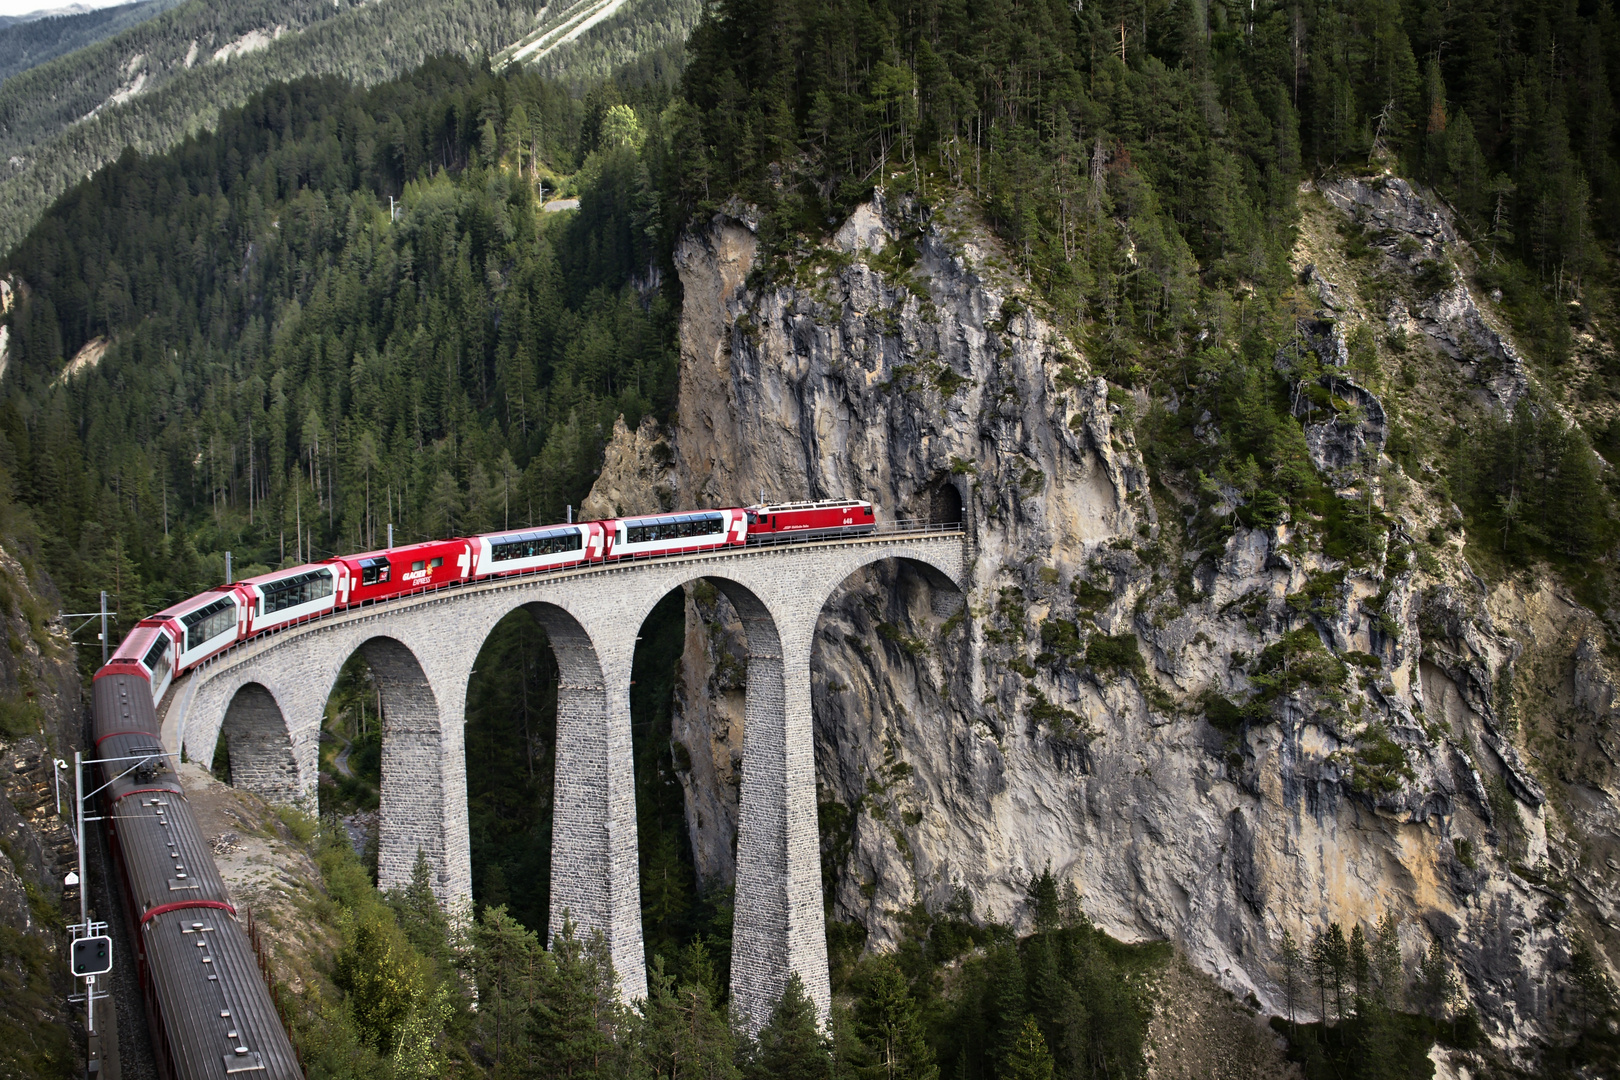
[(26, 44), (1217, 746), (41, 717), (150, 86)]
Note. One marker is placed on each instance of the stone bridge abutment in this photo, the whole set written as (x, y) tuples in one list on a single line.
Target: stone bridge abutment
[(268, 696)]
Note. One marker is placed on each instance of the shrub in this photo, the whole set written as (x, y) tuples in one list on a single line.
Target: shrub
[(1116, 652), (1380, 763), (1060, 636)]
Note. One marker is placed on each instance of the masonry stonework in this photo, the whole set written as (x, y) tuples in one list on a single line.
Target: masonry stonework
[(268, 695)]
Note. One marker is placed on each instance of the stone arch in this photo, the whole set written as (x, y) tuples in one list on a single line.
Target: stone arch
[(946, 594), (259, 745), (414, 770)]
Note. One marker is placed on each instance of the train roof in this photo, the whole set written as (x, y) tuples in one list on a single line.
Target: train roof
[(534, 531), (190, 604), (136, 642), (400, 549), (278, 575), (688, 515)]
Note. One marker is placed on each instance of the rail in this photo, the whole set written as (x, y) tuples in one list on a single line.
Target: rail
[(901, 528)]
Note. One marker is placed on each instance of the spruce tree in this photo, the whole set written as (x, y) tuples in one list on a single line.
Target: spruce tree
[(791, 1045), (889, 1026), (1029, 1059), (576, 1020)]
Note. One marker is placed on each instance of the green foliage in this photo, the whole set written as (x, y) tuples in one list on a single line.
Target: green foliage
[(1320, 596), (27, 1046), (511, 751), (791, 1045), (20, 716), (60, 124), (916, 647), (382, 977), (1529, 485), (1029, 1058), (1228, 716), (1090, 597), (1299, 660), (323, 398), (1086, 994), (891, 1043), (1060, 636), (576, 1023), (1380, 762), (26, 44), (1115, 652)]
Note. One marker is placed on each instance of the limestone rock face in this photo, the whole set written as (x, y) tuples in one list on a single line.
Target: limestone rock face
[(1415, 236), (635, 477), (1065, 717)]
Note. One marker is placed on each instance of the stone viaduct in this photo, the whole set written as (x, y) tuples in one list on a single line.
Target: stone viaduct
[(267, 697)]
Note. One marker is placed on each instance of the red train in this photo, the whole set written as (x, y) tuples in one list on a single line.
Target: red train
[(183, 635)]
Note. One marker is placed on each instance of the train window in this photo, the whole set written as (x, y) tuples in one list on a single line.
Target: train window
[(418, 565), (676, 528), (209, 622), (437, 562), (535, 545), (290, 592), (373, 571), (158, 655)]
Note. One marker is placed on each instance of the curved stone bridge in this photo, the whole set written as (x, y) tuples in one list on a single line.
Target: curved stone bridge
[(267, 697)]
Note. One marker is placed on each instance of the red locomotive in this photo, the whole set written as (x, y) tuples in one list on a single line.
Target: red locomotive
[(809, 520)]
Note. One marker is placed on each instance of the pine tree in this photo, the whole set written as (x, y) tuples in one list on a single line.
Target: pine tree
[(510, 966), (575, 1024), (791, 1045), (889, 1026), (420, 916), (1029, 1059), (1293, 972)]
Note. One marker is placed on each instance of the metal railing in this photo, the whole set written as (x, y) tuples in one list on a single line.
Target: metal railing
[(884, 530)]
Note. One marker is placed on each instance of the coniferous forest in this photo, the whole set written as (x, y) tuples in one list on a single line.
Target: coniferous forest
[(345, 308)]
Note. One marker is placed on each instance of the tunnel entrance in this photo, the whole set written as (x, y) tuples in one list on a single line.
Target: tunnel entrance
[(944, 503)]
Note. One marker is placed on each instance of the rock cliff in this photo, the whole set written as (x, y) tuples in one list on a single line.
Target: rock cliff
[(1083, 711), (41, 717)]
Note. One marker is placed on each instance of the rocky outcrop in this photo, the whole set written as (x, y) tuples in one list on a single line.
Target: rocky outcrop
[(1416, 239), (636, 477), (1085, 712), (41, 716)]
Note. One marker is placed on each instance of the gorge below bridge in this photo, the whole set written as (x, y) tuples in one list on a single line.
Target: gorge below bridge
[(267, 697)]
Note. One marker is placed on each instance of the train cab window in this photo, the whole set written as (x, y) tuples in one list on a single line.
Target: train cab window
[(868, 511), (437, 562), (373, 571), (158, 655)]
